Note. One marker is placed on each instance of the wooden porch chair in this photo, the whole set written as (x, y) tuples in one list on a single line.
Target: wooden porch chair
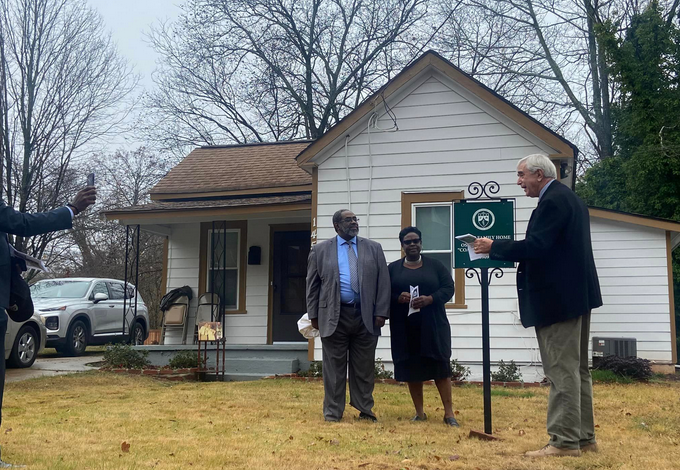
[(175, 318)]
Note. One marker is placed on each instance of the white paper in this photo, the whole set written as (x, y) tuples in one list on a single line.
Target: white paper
[(468, 238), (415, 293), (31, 262), (469, 241), (475, 256), (305, 327)]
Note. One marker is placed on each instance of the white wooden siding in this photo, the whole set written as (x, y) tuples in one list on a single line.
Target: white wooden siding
[(183, 269), (183, 259), (446, 140)]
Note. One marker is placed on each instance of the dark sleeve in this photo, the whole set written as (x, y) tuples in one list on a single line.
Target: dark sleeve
[(313, 285), (382, 296), (446, 285), (393, 268), (26, 225), (551, 219)]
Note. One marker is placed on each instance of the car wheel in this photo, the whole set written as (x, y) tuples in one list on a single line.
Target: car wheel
[(25, 348), (137, 334), (76, 339)]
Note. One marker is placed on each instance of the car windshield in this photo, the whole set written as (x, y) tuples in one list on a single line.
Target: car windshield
[(59, 289)]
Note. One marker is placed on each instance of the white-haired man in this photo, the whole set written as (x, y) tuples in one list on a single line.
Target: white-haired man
[(557, 287)]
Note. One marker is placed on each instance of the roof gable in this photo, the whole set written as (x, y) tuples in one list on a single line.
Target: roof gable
[(434, 60)]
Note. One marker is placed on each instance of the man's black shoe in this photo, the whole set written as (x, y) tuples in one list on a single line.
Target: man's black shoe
[(371, 418)]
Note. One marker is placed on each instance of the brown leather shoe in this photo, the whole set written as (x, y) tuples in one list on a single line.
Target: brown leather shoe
[(552, 451), (590, 448)]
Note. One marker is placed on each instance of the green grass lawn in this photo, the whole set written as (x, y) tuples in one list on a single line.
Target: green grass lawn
[(80, 421)]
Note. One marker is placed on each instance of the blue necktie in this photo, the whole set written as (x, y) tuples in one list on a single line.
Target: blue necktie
[(353, 268)]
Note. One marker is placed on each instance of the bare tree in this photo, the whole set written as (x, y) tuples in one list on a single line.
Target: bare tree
[(62, 84), (546, 56), (258, 70), (96, 248)]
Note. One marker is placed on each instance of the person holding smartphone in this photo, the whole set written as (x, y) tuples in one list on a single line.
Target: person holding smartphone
[(27, 225)]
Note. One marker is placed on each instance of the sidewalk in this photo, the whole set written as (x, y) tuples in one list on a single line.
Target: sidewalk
[(50, 366)]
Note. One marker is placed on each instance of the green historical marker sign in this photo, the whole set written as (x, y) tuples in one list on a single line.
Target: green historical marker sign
[(492, 219)]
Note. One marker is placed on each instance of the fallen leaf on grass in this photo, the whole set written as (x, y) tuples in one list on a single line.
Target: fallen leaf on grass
[(456, 412), (8, 430), (627, 414), (364, 464), (437, 457), (290, 437), (171, 454), (521, 432), (454, 457), (125, 447), (597, 425)]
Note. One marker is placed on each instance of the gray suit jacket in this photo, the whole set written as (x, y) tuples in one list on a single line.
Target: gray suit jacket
[(323, 284)]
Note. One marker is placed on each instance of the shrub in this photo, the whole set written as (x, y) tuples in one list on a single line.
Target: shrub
[(507, 372), (380, 371), (609, 377), (187, 359), (634, 368), (458, 371), (122, 356), (315, 370)]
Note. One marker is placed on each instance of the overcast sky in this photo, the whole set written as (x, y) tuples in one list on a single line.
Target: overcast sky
[(129, 21)]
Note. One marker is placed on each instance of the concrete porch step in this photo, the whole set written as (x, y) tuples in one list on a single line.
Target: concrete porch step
[(262, 366), (231, 377)]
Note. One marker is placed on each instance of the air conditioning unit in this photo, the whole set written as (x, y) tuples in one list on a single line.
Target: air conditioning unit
[(622, 347)]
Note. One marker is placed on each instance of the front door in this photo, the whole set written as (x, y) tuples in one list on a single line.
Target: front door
[(289, 273)]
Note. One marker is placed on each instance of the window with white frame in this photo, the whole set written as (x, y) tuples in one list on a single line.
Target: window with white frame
[(223, 252), (434, 222)]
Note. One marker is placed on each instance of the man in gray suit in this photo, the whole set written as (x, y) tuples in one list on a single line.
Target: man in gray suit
[(348, 301)]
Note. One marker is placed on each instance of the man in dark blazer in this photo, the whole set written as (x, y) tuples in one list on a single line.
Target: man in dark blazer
[(557, 287), (348, 301), (26, 225)]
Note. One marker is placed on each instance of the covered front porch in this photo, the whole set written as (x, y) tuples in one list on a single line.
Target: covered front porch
[(252, 253)]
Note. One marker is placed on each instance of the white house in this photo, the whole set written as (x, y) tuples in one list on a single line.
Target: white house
[(399, 159)]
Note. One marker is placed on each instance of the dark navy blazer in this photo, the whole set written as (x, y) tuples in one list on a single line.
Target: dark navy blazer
[(556, 276)]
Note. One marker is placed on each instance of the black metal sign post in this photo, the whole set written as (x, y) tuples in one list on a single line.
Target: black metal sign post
[(483, 215)]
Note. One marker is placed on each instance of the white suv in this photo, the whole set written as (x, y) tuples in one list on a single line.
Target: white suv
[(81, 311)]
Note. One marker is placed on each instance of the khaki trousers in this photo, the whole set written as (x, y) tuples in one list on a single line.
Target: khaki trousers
[(564, 353)]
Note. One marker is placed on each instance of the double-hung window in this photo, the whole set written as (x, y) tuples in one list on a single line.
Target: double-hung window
[(223, 263), (432, 214)]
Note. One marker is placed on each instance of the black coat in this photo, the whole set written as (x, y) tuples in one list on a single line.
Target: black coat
[(426, 333), (556, 277)]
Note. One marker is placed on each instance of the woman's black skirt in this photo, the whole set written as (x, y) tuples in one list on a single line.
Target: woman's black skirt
[(420, 369)]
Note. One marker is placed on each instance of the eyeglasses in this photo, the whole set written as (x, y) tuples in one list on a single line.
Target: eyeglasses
[(347, 220), (412, 241)]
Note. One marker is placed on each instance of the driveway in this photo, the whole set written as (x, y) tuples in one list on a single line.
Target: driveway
[(49, 365)]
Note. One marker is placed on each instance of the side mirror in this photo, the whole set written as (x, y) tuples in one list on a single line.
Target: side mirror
[(100, 297)]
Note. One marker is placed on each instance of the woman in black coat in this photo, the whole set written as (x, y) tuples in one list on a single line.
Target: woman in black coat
[(421, 341)]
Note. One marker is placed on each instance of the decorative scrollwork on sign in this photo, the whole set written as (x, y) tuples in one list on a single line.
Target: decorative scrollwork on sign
[(478, 190), (471, 272), (495, 272)]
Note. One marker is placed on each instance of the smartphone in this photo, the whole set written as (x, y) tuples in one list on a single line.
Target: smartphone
[(90, 179)]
